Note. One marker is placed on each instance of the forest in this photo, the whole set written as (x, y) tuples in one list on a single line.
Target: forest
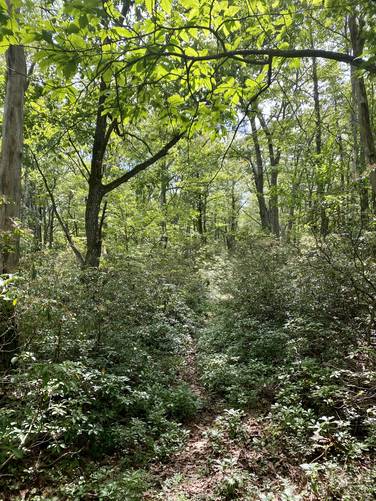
[(188, 250)]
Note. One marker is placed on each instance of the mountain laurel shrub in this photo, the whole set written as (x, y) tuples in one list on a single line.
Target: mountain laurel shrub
[(292, 335), (100, 367)]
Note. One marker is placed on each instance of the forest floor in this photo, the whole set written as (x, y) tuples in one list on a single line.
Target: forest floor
[(199, 471)]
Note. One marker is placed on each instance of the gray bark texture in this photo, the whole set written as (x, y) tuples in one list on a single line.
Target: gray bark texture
[(11, 158)]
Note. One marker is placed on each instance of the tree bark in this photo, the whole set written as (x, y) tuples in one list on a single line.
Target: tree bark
[(164, 182), (274, 158), (232, 220), (97, 190), (11, 158), (10, 191), (258, 174), (359, 91), (324, 221), (95, 194)]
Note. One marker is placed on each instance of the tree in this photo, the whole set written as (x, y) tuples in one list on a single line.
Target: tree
[(11, 157), (10, 187), (360, 99)]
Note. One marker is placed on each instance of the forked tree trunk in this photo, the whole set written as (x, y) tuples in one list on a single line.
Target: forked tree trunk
[(274, 158), (93, 227)]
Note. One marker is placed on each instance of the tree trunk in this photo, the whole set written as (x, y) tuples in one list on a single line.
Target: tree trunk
[(358, 160), (164, 181), (93, 227), (11, 158), (10, 191), (359, 91), (324, 222), (232, 220), (274, 158), (200, 220), (97, 190), (258, 174), (366, 134), (273, 202)]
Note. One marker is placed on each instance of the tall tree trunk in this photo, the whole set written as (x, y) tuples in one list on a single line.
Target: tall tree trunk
[(367, 143), (358, 160), (51, 226), (258, 174), (274, 158), (11, 158), (324, 222), (93, 227), (97, 190), (10, 191), (273, 202), (201, 216), (164, 181), (232, 220)]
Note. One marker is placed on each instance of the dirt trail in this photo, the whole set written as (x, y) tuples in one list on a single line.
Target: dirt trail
[(195, 472), (190, 371), (182, 477)]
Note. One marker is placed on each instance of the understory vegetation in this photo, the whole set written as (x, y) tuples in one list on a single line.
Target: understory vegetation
[(101, 398)]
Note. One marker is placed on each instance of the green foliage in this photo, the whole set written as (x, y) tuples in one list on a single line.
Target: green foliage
[(242, 349), (99, 372), (271, 166), (286, 335)]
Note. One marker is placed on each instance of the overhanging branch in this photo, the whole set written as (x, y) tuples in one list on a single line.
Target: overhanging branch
[(284, 53), (143, 165)]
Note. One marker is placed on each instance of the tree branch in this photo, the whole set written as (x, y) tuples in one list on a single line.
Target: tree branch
[(286, 53), (143, 165)]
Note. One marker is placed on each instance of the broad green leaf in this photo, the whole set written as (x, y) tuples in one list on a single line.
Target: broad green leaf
[(189, 3), (191, 52), (184, 36), (149, 4), (176, 99), (166, 5)]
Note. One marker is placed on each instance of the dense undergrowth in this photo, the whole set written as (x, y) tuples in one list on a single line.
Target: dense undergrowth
[(99, 391), (99, 378), (292, 336)]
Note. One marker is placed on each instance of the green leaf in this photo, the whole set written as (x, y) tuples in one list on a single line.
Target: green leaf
[(149, 4), (72, 28), (175, 99), (166, 5), (184, 36), (107, 75), (83, 21), (70, 68), (191, 52), (47, 36), (122, 32), (294, 64), (77, 41), (188, 4)]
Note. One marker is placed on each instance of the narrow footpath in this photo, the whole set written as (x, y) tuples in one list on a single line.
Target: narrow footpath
[(211, 462)]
